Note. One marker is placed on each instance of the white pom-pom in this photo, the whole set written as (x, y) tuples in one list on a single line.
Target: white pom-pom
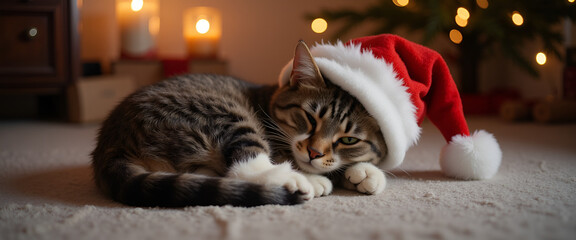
[(472, 157)]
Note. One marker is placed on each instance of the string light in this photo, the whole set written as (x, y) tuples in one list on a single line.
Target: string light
[(455, 36), (319, 25), (541, 58), (484, 3), (460, 21), (517, 18), (462, 16), (401, 3), (463, 13)]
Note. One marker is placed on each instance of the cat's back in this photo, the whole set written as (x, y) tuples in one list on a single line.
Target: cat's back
[(193, 87), (148, 121), (182, 97)]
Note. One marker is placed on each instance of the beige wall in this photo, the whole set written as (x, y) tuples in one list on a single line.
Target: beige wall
[(259, 37)]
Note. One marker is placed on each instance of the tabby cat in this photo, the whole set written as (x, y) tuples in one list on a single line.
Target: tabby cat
[(197, 140)]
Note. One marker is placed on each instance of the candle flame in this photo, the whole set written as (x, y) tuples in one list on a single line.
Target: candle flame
[(137, 5), (202, 26)]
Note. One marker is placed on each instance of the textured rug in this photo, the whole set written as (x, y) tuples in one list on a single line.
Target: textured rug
[(46, 192)]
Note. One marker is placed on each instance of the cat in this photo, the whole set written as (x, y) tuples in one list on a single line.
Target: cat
[(204, 139)]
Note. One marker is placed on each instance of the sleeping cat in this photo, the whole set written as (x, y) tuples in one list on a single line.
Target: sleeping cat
[(215, 140)]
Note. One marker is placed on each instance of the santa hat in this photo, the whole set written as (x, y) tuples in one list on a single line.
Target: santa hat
[(399, 83)]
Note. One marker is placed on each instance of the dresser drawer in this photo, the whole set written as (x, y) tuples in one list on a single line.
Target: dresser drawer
[(33, 47), (39, 54)]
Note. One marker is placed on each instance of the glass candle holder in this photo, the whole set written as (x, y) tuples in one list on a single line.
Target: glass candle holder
[(139, 25), (202, 31)]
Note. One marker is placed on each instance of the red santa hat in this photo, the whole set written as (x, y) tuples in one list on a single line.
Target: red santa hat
[(399, 83)]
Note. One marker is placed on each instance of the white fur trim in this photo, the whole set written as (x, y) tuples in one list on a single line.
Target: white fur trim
[(375, 84), (472, 157)]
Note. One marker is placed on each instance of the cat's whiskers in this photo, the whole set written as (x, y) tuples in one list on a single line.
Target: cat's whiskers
[(394, 175), (390, 173), (339, 171), (277, 134)]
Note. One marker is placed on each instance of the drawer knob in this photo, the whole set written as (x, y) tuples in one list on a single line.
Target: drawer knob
[(32, 32)]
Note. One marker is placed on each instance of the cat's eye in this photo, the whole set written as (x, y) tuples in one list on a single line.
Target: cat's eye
[(311, 120), (348, 140)]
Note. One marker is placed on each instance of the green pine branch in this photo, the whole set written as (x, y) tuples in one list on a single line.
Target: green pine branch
[(491, 28)]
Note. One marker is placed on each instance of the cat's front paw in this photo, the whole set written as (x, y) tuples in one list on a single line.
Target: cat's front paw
[(365, 178), (284, 175), (322, 185), (260, 170)]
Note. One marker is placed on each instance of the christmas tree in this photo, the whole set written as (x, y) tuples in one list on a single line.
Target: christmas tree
[(475, 26)]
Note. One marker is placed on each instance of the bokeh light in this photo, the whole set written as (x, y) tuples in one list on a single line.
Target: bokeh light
[(484, 3), (455, 36), (401, 3), (541, 58), (460, 21), (319, 25), (463, 13), (517, 18)]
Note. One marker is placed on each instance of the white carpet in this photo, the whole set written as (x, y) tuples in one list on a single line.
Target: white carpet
[(46, 192)]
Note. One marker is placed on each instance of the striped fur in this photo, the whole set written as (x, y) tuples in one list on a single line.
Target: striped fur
[(326, 131), (197, 140), (153, 145), (310, 121)]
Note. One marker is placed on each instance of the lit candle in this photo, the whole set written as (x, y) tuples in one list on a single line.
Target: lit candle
[(139, 25), (202, 30)]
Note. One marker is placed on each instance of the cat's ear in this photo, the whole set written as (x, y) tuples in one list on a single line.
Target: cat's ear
[(305, 72)]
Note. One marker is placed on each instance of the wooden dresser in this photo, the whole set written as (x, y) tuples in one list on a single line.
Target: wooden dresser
[(39, 50)]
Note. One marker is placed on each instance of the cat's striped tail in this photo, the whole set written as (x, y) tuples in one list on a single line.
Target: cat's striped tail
[(171, 190)]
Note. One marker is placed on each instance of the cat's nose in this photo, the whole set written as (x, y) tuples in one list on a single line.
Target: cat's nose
[(313, 153)]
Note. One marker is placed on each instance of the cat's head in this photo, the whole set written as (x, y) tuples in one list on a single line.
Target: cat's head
[(325, 126)]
